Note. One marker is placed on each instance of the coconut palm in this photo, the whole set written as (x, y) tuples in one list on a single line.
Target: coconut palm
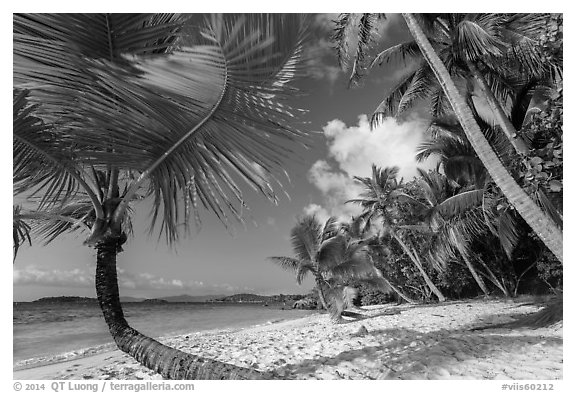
[(359, 228), (541, 223), (489, 54), (110, 109), (307, 237), (455, 216), (336, 261), (381, 193)]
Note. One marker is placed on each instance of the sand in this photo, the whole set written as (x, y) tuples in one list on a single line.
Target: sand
[(391, 342)]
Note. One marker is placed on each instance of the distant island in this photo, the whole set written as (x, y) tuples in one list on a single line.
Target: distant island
[(66, 299), (251, 298), (238, 298)]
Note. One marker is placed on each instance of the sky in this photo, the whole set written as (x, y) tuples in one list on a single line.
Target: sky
[(219, 261)]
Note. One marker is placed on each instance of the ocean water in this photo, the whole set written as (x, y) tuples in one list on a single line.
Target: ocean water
[(43, 330)]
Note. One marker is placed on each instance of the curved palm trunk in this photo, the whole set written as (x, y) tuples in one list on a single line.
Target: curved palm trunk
[(319, 285), (541, 223), (503, 121), (414, 258), (399, 292), (168, 362)]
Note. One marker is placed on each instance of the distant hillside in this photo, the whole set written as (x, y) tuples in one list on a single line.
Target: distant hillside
[(251, 298), (238, 298), (130, 299), (190, 299)]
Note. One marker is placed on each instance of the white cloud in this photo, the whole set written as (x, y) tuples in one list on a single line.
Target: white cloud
[(354, 149), (32, 275)]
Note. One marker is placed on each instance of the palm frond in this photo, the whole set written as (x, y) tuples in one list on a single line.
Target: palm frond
[(340, 37), (331, 228), (477, 40), (389, 105), (43, 159), (20, 230), (508, 232), (332, 252), (286, 263), (191, 113), (403, 51), (305, 237), (366, 29), (72, 216), (340, 298), (460, 203), (420, 88), (356, 268), (303, 270), (106, 36), (439, 103)]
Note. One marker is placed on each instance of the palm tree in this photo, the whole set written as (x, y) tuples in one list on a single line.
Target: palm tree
[(421, 82), (455, 216), (113, 108), (541, 223), (381, 192), (490, 52), (358, 228), (307, 237), (334, 259)]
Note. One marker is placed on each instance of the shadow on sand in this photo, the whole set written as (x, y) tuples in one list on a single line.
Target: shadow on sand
[(408, 351)]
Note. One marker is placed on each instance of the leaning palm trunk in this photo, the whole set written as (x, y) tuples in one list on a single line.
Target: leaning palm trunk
[(319, 286), (501, 118), (493, 279), (399, 292), (414, 258), (168, 362), (541, 223), (472, 270)]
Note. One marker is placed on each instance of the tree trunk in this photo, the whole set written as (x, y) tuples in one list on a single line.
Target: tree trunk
[(492, 277), (541, 223), (414, 258), (501, 118), (168, 362), (472, 270), (321, 292), (399, 292)]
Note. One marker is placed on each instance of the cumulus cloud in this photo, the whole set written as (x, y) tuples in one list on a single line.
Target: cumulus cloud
[(353, 150)]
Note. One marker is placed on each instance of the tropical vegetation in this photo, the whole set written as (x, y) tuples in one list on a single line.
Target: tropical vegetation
[(498, 179), (112, 109)]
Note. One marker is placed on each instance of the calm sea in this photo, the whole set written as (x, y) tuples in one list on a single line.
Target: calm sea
[(49, 329)]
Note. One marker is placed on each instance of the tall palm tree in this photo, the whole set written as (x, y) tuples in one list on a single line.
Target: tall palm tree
[(334, 259), (360, 229), (307, 237), (491, 53), (541, 223), (113, 108), (422, 82), (381, 193), (455, 216)]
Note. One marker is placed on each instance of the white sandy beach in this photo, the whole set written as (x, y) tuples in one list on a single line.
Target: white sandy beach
[(401, 342)]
